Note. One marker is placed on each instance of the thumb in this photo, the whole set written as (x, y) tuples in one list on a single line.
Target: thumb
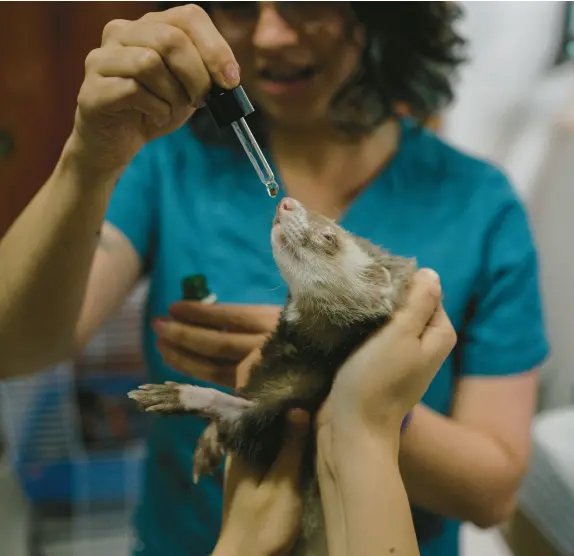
[(289, 459), (439, 338), (423, 299)]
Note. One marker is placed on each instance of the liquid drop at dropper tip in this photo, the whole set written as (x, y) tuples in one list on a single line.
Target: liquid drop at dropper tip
[(272, 189)]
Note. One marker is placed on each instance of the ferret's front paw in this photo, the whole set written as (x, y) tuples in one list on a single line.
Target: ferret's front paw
[(209, 452), (163, 398)]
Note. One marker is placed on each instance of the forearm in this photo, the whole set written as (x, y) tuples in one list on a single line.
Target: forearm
[(45, 259), (365, 503), (455, 471)]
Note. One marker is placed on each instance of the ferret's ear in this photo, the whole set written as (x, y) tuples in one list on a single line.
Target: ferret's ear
[(387, 275), (377, 275), (387, 292)]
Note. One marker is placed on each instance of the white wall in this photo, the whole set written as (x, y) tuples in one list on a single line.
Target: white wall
[(551, 207), (509, 108)]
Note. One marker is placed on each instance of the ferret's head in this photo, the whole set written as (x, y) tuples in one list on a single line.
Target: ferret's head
[(332, 273)]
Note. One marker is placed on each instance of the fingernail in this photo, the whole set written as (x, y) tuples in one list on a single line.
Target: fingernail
[(231, 74), (158, 324), (430, 274)]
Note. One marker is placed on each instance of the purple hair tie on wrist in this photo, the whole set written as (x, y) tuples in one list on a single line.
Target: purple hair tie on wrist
[(406, 421)]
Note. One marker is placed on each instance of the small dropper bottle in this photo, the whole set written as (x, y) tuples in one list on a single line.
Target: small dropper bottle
[(194, 288), (228, 107)]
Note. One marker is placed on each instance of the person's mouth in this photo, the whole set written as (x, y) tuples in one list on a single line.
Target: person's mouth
[(276, 81), (288, 76)]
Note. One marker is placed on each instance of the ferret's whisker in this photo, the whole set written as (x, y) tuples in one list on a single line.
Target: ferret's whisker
[(274, 289), (338, 211)]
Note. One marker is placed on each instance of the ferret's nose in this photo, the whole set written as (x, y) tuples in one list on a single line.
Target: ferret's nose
[(287, 204)]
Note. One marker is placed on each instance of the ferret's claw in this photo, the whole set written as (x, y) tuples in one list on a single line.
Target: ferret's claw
[(208, 454)]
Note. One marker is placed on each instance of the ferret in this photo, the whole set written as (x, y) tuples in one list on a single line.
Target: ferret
[(341, 288)]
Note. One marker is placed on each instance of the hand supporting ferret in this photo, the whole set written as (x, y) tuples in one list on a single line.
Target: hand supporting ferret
[(388, 375)]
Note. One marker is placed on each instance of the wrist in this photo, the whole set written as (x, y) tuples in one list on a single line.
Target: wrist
[(76, 159), (340, 448), (386, 428)]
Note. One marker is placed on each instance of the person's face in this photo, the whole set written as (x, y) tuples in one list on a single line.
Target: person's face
[(293, 55)]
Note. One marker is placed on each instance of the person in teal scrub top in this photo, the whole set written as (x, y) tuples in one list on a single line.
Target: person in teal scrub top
[(178, 197)]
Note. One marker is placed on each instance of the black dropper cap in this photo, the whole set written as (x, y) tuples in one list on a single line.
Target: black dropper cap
[(194, 287), (228, 105)]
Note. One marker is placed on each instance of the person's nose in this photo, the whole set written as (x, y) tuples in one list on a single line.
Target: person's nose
[(272, 31)]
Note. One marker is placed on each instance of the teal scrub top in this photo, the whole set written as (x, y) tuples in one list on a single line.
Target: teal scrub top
[(192, 208)]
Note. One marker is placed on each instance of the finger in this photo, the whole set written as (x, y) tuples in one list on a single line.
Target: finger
[(423, 299), (286, 466), (117, 93), (215, 372), (245, 367), (233, 317), (177, 51), (438, 338), (209, 343), (144, 65), (113, 27), (213, 49)]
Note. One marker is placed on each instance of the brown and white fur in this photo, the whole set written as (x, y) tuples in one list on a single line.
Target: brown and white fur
[(341, 288)]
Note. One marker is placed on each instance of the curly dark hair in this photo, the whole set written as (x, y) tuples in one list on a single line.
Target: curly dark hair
[(409, 59)]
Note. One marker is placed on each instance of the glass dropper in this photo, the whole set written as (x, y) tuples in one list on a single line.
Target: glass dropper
[(256, 156), (229, 107)]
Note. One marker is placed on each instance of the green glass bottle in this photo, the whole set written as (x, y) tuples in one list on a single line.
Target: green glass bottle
[(194, 288)]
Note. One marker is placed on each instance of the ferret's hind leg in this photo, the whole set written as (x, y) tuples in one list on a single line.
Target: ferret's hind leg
[(174, 398), (209, 452), (257, 436)]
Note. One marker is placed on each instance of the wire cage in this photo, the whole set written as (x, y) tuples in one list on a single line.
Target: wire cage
[(76, 443)]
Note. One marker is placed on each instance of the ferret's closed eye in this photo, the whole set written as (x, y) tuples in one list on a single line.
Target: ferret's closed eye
[(330, 238)]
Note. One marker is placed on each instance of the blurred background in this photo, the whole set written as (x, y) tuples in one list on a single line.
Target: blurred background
[(70, 445)]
